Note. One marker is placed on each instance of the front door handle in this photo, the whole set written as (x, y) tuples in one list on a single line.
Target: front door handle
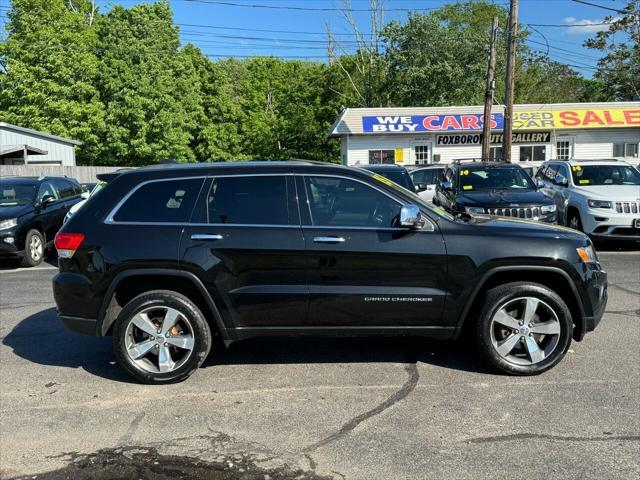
[(206, 236), (329, 239)]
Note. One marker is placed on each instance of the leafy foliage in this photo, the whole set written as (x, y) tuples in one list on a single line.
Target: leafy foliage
[(121, 83), (619, 69)]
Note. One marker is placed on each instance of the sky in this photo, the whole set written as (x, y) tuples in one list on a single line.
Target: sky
[(296, 28)]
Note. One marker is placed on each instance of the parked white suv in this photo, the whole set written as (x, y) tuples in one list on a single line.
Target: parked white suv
[(599, 197)]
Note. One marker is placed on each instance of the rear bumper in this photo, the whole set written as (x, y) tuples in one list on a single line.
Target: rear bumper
[(86, 326)]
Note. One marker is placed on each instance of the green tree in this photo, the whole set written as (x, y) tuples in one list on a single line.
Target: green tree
[(619, 69), (541, 80), (439, 58), (149, 91), (50, 67), (216, 133)]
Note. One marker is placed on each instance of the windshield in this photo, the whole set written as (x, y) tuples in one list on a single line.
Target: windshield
[(415, 199), (495, 178), (605, 175), (12, 194), (402, 178)]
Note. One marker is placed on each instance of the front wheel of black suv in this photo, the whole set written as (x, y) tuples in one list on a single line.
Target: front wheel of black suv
[(161, 337), (524, 328), (34, 249)]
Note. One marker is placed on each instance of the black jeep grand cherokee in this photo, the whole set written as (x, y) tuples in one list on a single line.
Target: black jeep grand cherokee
[(165, 258)]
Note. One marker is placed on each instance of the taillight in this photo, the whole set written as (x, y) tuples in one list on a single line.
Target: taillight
[(67, 243)]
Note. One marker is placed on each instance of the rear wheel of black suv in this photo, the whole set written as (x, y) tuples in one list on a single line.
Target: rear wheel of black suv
[(524, 328), (161, 337)]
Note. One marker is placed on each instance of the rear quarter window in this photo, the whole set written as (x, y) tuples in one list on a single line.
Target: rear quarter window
[(161, 201)]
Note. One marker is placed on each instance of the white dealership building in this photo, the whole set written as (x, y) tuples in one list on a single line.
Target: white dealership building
[(424, 135)]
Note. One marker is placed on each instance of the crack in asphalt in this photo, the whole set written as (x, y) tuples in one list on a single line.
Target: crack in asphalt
[(544, 436), (408, 386), (629, 313), (126, 438), (624, 289)]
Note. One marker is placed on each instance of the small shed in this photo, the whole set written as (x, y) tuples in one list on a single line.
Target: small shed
[(24, 146)]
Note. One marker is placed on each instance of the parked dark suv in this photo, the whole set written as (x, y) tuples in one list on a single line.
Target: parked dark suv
[(493, 188), (31, 212), (165, 258)]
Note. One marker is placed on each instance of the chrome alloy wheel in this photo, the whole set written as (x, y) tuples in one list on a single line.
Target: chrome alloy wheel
[(159, 339), (525, 331), (36, 249)]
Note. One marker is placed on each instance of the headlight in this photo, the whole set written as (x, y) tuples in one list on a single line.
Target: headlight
[(587, 254), (548, 208), (475, 210), (8, 223), (599, 203)]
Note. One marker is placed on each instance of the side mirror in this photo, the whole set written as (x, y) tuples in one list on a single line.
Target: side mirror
[(411, 217), (46, 200), (421, 187), (540, 183), (561, 180), (446, 185)]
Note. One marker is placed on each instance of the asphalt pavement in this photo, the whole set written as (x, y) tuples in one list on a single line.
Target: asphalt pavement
[(401, 408)]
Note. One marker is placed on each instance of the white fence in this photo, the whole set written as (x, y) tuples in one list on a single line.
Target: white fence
[(82, 174)]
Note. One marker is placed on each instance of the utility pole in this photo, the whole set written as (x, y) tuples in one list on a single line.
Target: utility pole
[(488, 93), (508, 95)]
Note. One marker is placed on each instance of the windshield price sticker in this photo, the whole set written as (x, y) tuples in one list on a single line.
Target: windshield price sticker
[(382, 179)]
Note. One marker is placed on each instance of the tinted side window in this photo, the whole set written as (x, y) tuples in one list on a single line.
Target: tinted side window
[(340, 202), (65, 189), (429, 176), (422, 176), (256, 200), (564, 171), (161, 201), (46, 189)]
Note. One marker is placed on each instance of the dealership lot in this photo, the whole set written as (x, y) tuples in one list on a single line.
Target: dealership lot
[(315, 408)]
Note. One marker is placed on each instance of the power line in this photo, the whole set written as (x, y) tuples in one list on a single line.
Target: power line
[(599, 6), (304, 9), (568, 25)]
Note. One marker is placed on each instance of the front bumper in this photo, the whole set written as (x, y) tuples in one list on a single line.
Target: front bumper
[(606, 223), (594, 300), (9, 249)]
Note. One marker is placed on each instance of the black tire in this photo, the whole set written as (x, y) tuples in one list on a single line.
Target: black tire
[(30, 259), (500, 296), (574, 221), (162, 299)]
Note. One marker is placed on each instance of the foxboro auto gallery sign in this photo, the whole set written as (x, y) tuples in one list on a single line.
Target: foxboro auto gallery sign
[(522, 120), (496, 138)]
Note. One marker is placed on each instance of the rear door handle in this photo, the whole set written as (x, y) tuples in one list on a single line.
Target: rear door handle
[(206, 236), (329, 239)]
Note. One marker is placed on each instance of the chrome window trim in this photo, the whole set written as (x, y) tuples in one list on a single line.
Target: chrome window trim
[(428, 227), (428, 222), (109, 220)]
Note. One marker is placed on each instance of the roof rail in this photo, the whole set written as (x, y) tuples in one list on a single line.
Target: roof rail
[(458, 161), (585, 160)]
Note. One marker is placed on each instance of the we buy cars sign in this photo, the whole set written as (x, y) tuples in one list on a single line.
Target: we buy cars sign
[(522, 120), (429, 123)]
